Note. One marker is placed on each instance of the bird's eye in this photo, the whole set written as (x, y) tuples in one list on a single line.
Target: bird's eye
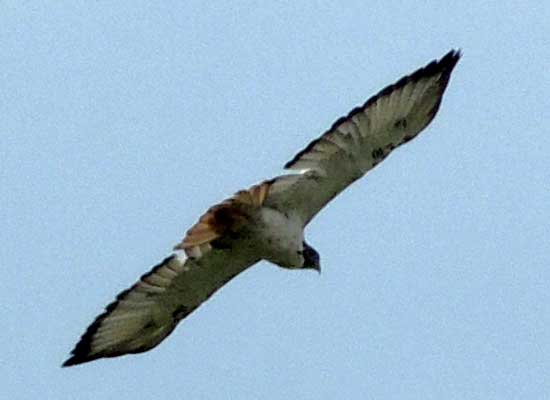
[(300, 252)]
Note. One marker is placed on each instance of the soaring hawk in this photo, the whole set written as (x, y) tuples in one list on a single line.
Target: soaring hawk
[(266, 221)]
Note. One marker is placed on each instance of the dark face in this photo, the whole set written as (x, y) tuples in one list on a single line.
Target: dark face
[(311, 258)]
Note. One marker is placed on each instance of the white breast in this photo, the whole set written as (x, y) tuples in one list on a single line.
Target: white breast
[(282, 236)]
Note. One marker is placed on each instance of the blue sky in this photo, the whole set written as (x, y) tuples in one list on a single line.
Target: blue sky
[(121, 122)]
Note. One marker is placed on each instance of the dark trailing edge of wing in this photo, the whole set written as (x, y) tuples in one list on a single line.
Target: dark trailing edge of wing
[(81, 352), (445, 65)]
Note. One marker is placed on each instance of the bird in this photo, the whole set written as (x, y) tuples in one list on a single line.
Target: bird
[(267, 220)]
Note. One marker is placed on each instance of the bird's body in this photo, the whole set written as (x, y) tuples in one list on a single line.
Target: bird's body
[(266, 221), (281, 237)]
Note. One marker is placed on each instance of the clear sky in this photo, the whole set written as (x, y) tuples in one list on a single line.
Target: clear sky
[(121, 122)]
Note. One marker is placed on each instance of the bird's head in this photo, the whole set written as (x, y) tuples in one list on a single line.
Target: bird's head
[(311, 258)]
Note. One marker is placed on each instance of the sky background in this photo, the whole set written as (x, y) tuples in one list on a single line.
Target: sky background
[(121, 122)]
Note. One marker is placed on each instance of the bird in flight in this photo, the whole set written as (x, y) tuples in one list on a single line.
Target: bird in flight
[(266, 221)]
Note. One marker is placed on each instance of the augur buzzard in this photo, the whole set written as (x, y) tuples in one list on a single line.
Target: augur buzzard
[(266, 221)]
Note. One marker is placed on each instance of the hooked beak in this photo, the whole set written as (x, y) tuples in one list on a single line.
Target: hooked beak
[(311, 258)]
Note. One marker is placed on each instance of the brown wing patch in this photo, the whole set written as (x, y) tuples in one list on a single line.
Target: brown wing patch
[(224, 218)]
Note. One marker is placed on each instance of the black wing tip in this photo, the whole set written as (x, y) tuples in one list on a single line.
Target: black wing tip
[(77, 359), (447, 63), (71, 362), (444, 65), (450, 59), (81, 352)]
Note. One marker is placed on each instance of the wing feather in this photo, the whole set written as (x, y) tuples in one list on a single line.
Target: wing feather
[(359, 141), (145, 314)]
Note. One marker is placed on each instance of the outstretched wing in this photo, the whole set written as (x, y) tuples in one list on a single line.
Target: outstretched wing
[(359, 141), (142, 316), (218, 247)]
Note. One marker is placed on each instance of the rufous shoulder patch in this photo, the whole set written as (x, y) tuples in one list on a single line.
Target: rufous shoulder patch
[(226, 217)]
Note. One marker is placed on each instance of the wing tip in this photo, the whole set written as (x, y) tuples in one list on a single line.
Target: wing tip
[(77, 359), (72, 361), (449, 60), (444, 65), (447, 63), (82, 352)]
